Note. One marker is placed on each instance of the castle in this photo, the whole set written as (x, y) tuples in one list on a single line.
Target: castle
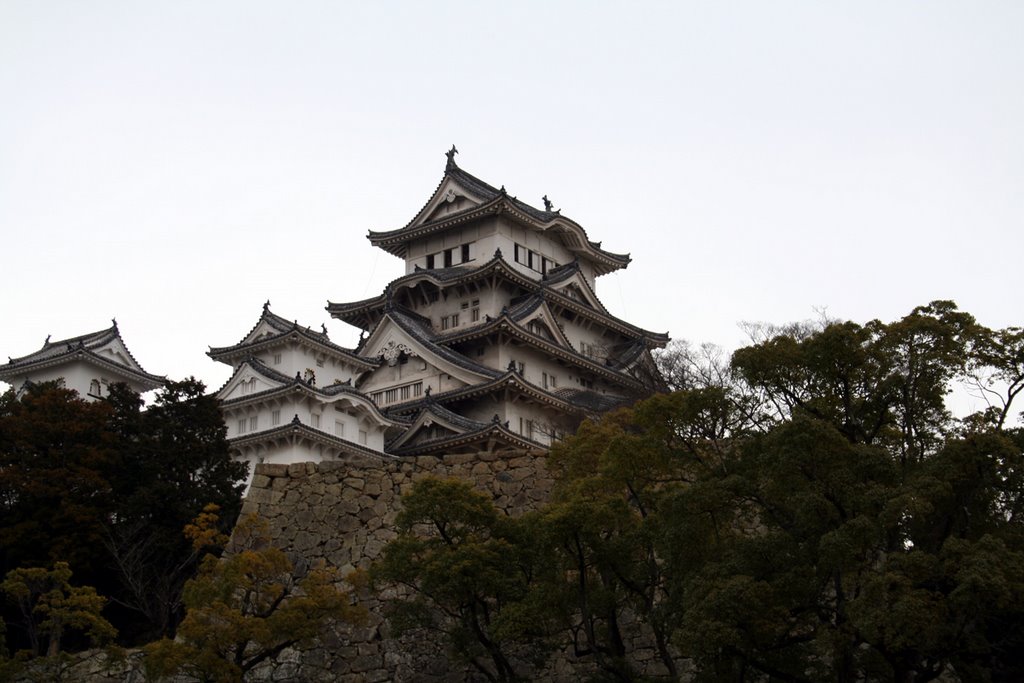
[(492, 345), (494, 339)]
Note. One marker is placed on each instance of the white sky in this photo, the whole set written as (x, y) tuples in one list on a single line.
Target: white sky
[(174, 164)]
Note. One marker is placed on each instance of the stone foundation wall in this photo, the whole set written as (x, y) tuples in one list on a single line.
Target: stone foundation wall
[(344, 512)]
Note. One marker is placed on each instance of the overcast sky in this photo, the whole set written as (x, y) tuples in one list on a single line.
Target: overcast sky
[(176, 164)]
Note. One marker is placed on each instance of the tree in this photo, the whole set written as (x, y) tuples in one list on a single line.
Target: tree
[(55, 454), (173, 462), (107, 487), (50, 607), (468, 571), (248, 607)]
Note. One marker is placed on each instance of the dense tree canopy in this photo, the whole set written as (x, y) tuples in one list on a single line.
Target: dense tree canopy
[(107, 488), (806, 510)]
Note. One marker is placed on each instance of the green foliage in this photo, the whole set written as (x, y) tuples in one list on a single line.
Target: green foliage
[(107, 487), (467, 570), (810, 512), (50, 607), (247, 607)]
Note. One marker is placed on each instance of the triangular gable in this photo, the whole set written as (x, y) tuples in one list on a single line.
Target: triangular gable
[(429, 425), (450, 197), (116, 352), (245, 382), (577, 289), (543, 322), (390, 340)]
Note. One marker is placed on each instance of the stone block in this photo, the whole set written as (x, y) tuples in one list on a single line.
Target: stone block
[(260, 481), (297, 470), (272, 470)]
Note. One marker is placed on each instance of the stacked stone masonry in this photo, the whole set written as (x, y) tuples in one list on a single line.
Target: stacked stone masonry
[(343, 513)]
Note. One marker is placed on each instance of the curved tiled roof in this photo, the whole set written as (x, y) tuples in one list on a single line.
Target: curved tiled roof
[(299, 428), (419, 329), (496, 200), (85, 345), (510, 378), (351, 311), (289, 384), (284, 328), (476, 431)]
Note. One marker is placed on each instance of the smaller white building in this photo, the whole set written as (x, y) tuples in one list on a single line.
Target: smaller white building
[(88, 364), (292, 399)]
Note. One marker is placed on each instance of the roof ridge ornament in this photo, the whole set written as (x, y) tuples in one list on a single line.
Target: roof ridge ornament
[(114, 321), (266, 306), (451, 158), (547, 204)]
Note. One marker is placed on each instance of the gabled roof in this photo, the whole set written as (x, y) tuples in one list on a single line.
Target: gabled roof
[(271, 328), (286, 385), (365, 312), (563, 399), (420, 332), (463, 432), (487, 200), (297, 430), (86, 347)]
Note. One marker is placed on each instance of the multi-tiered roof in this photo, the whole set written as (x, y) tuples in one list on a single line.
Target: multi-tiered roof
[(498, 316)]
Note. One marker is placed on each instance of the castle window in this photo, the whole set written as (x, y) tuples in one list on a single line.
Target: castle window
[(320, 363), (362, 436), (95, 389), (275, 417), (391, 395), (339, 428), (254, 422), (448, 258), (430, 262), (241, 426), (474, 315), (417, 389), (314, 420), (465, 253), (406, 392), (277, 359)]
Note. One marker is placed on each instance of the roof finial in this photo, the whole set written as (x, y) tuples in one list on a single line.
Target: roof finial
[(547, 203), (114, 321), (426, 392), (503, 190), (266, 305), (451, 158), (323, 327), (47, 339)]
